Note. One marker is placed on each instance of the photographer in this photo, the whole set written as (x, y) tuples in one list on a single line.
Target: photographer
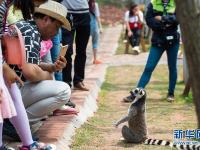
[(161, 18)]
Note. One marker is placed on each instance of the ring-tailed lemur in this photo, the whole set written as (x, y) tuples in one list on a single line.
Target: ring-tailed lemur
[(136, 131)]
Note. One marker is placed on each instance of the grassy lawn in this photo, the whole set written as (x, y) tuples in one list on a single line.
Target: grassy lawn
[(162, 117)]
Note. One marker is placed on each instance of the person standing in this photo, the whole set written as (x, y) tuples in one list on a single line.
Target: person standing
[(78, 14), (161, 18), (95, 28)]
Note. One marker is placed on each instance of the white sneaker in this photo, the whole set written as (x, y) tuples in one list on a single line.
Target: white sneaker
[(136, 50), (125, 41)]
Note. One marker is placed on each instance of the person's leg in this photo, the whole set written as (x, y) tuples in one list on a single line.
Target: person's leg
[(20, 121), (131, 40), (95, 41), (92, 34), (2, 146), (134, 31), (95, 37), (68, 38), (172, 54), (137, 37), (152, 61), (82, 37), (1, 128), (136, 41), (42, 98), (55, 50)]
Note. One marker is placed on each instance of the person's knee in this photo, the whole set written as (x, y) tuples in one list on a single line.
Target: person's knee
[(62, 91)]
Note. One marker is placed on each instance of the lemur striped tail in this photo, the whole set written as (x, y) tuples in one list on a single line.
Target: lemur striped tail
[(171, 144)]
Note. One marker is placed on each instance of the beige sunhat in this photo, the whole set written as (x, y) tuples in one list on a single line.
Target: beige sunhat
[(56, 11)]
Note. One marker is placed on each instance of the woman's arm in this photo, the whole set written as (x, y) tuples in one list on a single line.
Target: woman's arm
[(126, 20), (154, 22), (10, 75)]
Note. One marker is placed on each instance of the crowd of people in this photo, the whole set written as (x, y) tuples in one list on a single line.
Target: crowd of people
[(41, 84)]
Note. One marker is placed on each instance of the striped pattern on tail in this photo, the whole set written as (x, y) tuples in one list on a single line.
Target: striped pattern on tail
[(171, 144)]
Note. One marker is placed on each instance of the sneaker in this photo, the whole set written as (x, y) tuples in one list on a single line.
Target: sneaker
[(128, 99), (125, 41), (136, 50), (70, 104), (38, 146), (170, 97), (3, 147)]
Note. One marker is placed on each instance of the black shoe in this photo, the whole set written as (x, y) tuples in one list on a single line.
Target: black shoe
[(10, 132), (70, 104), (3, 147), (128, 99)]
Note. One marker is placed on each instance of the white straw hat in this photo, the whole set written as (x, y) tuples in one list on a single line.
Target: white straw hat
[(56, 11)]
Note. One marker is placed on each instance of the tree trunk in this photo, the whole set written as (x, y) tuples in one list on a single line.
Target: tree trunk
[(188, 13)]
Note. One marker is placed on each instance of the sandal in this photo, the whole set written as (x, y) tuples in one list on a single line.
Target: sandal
[(65, 111)]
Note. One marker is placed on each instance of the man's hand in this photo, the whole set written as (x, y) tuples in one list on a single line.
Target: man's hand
[(34, 73), (60, 63), (10, 76), (159, 18)]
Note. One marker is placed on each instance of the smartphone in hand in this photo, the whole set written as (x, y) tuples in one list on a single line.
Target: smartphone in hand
[(63, 50)]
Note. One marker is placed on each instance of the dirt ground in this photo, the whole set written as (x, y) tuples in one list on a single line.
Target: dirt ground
[(162, 117)]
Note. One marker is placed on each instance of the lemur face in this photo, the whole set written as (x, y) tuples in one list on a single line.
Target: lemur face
[(137, 94)]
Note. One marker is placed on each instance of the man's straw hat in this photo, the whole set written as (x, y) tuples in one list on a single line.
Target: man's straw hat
[(55, 10)]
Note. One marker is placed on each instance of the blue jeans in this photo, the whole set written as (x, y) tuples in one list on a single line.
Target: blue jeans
[(94, 31), (55, 50), (154, 56)]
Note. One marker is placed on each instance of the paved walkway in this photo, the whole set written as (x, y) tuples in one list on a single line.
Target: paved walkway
[(60, 129)]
